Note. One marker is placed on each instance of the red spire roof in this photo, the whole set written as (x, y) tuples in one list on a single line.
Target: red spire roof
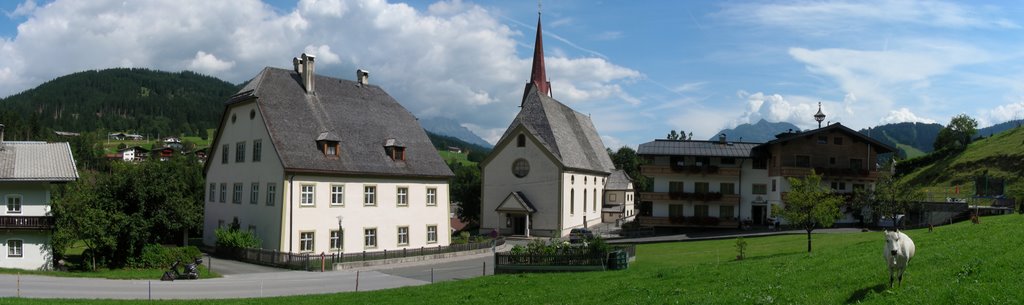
[(538, 77)]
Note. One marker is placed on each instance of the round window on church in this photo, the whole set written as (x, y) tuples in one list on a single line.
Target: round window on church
[(520, 168)]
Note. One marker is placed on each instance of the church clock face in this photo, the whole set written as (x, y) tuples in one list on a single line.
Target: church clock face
[(520, 168)]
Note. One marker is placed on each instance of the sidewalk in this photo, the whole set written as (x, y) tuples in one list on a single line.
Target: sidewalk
[(722, 235)]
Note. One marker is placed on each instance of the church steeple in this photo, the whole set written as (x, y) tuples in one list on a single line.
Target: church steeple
[(538, 77)]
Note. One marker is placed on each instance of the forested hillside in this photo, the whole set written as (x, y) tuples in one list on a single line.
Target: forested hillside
[(909, 139), (141, 101)]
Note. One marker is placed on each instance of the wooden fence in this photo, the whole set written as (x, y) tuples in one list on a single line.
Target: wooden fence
[(314, 261)]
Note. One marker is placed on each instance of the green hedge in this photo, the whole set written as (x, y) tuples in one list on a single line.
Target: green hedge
[(159, 256)]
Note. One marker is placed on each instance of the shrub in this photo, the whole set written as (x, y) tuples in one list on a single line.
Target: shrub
[(741, 247), (158, 256), (237, 239)]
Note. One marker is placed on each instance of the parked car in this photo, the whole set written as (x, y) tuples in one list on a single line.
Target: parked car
[(580, 235)]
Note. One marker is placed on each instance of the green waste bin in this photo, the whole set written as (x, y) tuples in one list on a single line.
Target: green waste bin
[(618, 260)]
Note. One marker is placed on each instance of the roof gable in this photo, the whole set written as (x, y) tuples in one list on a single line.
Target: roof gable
[(879, 146), (516, 202), (568, 135)]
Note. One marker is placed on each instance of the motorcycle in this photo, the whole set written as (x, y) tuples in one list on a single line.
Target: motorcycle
[(191, 271)]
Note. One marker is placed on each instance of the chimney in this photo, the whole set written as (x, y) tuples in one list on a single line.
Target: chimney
[(1, 136), (363, 77), (297, 63), (721, 138), (308, 73)]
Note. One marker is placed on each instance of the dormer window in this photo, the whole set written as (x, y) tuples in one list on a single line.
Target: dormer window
[(327, 143), (394, 150)]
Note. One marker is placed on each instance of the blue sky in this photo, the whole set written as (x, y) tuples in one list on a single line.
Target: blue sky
[(639, 68)]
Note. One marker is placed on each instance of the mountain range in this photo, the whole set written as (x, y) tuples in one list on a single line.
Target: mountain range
[(760, 132), (452, 128)]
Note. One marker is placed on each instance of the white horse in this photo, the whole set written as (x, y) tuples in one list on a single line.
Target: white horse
[(899, 249)]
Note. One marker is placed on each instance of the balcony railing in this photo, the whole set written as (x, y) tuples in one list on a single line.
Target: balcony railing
[(26, 222), (651, 170), (788, 171), (683, 196), (688, 221)]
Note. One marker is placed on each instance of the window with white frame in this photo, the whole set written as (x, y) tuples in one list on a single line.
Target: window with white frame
[(271, 193), (402, 196), (257, 150), (431, 234), (370, 238), (236, 196), (213, 192), (403, 236), (306, 241), (370, 195), (14, 204), (223, 192), (431, 196), (240, 152), (337, 194), (306, 194), (254, 193), (14, 248), (337, 240), (224, 154)]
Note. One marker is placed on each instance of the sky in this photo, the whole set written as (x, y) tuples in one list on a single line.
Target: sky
[(638, 68)]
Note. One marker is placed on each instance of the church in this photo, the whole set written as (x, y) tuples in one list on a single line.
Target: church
[(548, 172)]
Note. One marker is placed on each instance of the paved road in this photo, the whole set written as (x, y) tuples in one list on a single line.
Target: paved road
[(243, 280), (231, 267)]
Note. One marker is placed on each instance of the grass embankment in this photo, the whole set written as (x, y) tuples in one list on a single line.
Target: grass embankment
[(115, 274), (1000, 156), (957, 264)]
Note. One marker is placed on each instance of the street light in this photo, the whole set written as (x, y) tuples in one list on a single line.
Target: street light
[(340, 232)]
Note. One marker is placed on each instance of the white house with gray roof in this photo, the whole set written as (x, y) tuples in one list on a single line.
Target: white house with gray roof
[(319, 164), (547, 173), (619, 203), (27, 170)]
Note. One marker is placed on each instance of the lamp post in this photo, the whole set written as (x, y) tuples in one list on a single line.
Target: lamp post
[(340, 232)]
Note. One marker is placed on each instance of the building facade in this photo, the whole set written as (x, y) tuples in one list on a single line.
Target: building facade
[(547, 173), (316, 164), (723, 184), (27, 171), (619, 204)]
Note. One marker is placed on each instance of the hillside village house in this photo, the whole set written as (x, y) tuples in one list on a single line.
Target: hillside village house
[(721, 183), (27, 169), (548, 172), (618, 198), (315, 164)]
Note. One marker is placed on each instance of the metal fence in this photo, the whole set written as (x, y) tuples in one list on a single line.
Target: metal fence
[(316, 261), (564, 258)]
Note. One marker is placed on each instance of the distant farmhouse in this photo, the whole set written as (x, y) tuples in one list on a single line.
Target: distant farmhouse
[(722, 183), (27, 169), (316, 164), (549, 171)]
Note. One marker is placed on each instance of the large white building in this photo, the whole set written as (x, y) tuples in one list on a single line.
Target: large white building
[(27, 169), (318, 164), (547, 173)]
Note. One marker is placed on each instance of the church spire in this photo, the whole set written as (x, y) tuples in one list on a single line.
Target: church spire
[(538, 77)]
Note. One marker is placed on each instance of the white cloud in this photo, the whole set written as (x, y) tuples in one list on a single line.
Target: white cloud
[(904, 115), (609, 35), (689, 87), (829, 17), (454, 59), (23, 9), (208, 63), (999, 114)]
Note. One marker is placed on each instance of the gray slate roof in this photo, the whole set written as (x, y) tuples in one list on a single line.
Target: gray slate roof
[(618, 180), (37, 161), (696, 148), (879, 146), (569, 135), (360, 117)]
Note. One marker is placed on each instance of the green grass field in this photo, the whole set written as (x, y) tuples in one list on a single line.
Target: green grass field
[(958, 264), (450, 156), (1000, 156), (110, 146)]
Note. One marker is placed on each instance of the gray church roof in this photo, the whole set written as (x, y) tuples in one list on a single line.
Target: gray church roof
[(569, 135), (362, 118), (37, 161)]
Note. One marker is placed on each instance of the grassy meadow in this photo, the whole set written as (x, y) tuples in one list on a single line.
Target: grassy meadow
[(958, 264)]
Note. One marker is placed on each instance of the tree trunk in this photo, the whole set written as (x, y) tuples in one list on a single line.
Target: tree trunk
[(808, 241)]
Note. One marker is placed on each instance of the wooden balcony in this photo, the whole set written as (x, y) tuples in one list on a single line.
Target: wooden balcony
[(691, 197), (687, 222), (791, 171), (26, 222), (662, 170)]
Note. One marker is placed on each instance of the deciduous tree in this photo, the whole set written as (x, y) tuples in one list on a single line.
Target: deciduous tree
[(809, 205)]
